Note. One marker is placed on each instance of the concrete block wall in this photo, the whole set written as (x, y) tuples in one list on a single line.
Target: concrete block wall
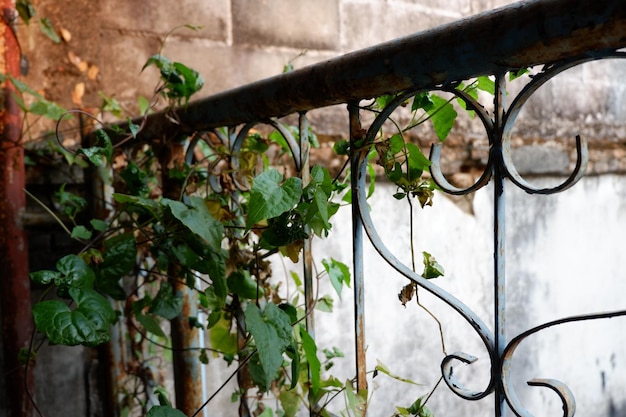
[(241, 41)]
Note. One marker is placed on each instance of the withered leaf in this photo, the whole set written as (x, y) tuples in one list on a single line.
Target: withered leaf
[(407, 293)]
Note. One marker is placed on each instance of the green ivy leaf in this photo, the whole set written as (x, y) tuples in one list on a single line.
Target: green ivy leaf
[(383, 101), (357, 401), (134, 128), (47, 109), (486, 84), (166, 304), (143, 104), (98, 225), (48, 30), (25, 9), (120, 253), (432, 268), (88, 324), (75, 273), (181, 82), (422, 101), (151, 324), (221, 338), (380, 367), (310, 352), (442, 116), (417, 162), (516, 74), (342, 147), (290, 402), (241, 283), (271, 331), (192, 81), (338, 273), (198, 219), (44, 277), (111, 105), (419, 409), (325, 304), (80, 232), (268, 198), (164, 411)]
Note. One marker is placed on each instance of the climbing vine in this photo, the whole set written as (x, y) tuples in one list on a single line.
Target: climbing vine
[(210, 220)]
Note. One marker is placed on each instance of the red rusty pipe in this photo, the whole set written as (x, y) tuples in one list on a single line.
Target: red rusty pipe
[(14, 282)]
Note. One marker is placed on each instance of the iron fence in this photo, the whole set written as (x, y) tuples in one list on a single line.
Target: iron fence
[(554, 35)]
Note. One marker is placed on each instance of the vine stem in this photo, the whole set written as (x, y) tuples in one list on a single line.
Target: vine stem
[(417, 300), (46, 208), (221, 387)]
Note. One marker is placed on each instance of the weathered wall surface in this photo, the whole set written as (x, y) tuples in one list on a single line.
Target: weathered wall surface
[(243, 41)]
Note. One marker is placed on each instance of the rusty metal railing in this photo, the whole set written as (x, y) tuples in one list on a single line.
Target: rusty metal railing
[(558, 34)]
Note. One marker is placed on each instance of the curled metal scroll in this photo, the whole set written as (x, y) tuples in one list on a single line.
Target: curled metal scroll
[(479, 326), (564, 393), (435, 151), (234, 140), (582, 155)]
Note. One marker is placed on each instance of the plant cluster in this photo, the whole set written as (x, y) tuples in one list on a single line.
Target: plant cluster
[(207, 221)]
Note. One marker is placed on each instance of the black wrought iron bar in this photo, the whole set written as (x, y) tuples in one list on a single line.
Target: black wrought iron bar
[(515, 36)]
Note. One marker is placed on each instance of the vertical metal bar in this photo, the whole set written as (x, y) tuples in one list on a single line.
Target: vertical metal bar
[(14, 283), (187, 367), (305, 174), (357, 252), (307, 254), (499, 240)]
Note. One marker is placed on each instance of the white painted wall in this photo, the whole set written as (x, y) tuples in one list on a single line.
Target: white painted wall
[(563, 258)]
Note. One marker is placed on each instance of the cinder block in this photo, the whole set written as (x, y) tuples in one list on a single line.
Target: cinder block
[(225, 67), (367, 24), (122, 75), (297, 24), (479, 6), (452, 7), (161, 17)]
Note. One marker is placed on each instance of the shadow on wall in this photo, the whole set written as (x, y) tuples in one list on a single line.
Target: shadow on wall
[(617, 410)]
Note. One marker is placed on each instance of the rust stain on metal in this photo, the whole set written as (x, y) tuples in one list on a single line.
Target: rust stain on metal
[(15, 283)]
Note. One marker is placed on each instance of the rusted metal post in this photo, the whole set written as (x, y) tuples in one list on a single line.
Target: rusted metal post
[(307, 255), (357, 133), (185, 338), (14, 282), (307, 251)]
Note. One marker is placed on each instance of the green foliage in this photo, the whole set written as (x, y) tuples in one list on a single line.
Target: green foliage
[(270, 197), (179, 81), (87, 324), (197, 219), (46, 27), (338, 273), (310, 352), (211, 224), (26, 10), (432, 269), (271, 331), (164, 411), (417, 409)]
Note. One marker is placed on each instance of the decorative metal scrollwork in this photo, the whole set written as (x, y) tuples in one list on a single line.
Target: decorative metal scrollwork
[(479, 326), (499, 167)]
